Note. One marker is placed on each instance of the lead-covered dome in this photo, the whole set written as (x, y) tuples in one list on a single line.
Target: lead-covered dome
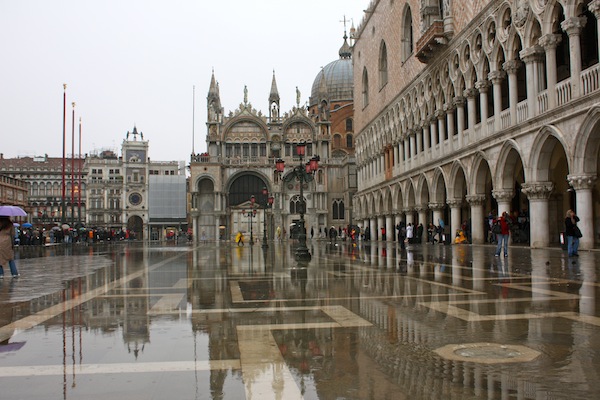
[(337, 76)]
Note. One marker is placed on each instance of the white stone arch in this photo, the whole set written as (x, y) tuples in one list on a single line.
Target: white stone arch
[(423, 192), (490, 39), (397, 196), (480, 167), (532, 31), (506, 163), (550, 16), (386, 199), (538, 165), (457, 184), (439, 192), (410, 198), (587, 145)]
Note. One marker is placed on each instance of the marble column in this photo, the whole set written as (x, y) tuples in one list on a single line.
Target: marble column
[(503, 197), (433, 133), (389, 228), (538, 194), (573, 26), (441, 131), (408, 212), (511, 67), (471, 94), (483, 87), (459, 103), (532, 57), (455, 214), (549, 43), (476, 202), (426, 143), (413, 145), (583, 185), (496, 77), (594, 7), (373, 227)]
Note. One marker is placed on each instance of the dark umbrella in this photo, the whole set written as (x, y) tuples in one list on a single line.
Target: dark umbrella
[(12, 211)]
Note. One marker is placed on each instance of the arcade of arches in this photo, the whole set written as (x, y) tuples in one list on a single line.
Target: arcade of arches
[(504, 117)]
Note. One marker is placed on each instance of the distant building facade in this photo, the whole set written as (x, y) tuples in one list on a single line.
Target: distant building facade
[(471, 108), (13, 192), (120, 188), (101, 190), (242, 148), (44, 177)]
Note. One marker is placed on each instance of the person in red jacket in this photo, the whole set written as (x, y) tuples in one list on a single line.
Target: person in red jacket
[(502, 237)]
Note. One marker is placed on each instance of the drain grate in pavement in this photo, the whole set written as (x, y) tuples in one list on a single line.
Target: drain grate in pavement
[(487, 353)]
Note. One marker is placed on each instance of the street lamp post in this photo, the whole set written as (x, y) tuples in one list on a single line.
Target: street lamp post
[(268, 204), (304, 174), (251, 215)]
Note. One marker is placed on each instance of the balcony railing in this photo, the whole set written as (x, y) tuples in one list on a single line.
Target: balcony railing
[(432, 40)]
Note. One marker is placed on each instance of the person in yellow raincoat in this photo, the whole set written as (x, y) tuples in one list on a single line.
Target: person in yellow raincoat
[(239, 238), (460, 237)]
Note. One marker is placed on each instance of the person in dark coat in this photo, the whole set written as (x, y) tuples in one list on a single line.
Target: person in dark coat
[(572, 233)]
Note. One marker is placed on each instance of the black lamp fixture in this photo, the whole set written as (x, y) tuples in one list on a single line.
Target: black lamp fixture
[(304, 173)]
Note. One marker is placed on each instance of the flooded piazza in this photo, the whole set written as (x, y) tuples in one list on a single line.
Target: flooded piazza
[(359, 321)]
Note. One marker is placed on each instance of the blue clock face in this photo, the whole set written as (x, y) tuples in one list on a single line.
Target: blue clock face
[(135, 199)]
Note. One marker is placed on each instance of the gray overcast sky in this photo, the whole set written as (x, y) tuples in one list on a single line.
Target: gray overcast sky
[(129, 62)]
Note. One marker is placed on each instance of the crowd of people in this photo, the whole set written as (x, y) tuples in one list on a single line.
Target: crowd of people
[(37, 236)]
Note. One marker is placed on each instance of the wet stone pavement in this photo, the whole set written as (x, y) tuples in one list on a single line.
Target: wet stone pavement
[(366, 321)]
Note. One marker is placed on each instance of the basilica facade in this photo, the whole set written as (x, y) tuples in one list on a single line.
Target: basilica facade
[(231, 182), (466, 109)]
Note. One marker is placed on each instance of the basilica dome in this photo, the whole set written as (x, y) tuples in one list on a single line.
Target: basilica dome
[(338, 78)]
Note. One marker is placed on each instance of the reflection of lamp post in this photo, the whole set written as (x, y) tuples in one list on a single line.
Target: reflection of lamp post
[(268, 204), (302, 173), (251, 215)]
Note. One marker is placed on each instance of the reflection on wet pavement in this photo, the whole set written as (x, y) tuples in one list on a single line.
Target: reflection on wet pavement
[(366, 321)]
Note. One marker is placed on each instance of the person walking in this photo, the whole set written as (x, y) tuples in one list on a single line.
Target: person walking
[(572, 233), (7, 253), (409, 232), (504, 223)]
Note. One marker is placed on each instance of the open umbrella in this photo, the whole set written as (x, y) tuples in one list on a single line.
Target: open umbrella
[(65, 226), (27, 225), (12, 211), (16, 224)]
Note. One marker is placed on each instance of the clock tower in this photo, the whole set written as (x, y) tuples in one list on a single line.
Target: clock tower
[(135, 184)]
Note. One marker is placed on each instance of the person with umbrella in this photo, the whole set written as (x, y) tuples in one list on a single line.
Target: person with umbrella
[(7, 253)]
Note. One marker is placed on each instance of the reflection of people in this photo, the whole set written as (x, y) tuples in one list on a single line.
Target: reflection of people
[(7, 254), (203, 236), (570, 232)]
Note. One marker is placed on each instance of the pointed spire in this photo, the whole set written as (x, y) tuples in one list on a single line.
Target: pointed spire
[(322, 87), (213, 89), (274, 95)]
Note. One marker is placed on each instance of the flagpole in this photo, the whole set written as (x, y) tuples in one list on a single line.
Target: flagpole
[(79, 175), (193, 115), (73, 167), (62, 204)]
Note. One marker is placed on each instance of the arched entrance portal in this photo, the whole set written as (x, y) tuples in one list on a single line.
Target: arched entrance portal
[(240, 217), (135, 224)]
